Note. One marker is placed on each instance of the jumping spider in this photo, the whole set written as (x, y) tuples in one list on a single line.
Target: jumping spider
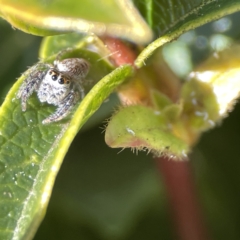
[(59, 84)]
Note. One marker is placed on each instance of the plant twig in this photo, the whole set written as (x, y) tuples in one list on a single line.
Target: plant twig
[(183, 200)]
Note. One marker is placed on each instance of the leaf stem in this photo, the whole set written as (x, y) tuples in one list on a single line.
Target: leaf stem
[(121, 53), (183, 201)]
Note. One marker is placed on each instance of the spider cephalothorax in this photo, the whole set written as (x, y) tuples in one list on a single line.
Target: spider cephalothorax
[(59, 84)]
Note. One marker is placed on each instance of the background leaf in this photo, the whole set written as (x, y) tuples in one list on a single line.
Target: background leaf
[(170, 19), (117, 18)]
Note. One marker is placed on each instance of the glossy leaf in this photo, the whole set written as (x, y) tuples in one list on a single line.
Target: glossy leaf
[(170, 19), (31, 153), (200, 106), (221, 73), (117, 18)]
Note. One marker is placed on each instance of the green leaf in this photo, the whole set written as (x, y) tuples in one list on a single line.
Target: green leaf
[(170, 19), (31, 153), (117, 18), (160, 100), (142, 128), (220, 75), (102, 191), (200, 105)]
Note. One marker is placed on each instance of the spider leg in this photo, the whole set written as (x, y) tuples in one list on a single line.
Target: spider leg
[(81, 90), (30, 85), (64, 108)]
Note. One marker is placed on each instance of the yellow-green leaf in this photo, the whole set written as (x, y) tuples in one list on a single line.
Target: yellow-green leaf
[(142, 128), (117, 18)]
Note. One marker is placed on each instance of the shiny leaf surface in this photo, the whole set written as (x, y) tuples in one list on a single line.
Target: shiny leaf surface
[(31, 153), (117, 18), (170, 19)]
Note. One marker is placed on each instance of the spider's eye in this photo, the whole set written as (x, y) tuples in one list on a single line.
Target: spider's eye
[(67, 82), (61, 80), (54, 77)]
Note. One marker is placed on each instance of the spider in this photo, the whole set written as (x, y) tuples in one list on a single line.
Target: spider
[(59, 84)]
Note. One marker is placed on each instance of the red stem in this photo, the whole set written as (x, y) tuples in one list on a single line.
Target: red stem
[(177, 175), (121, 53), (183, 201)]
